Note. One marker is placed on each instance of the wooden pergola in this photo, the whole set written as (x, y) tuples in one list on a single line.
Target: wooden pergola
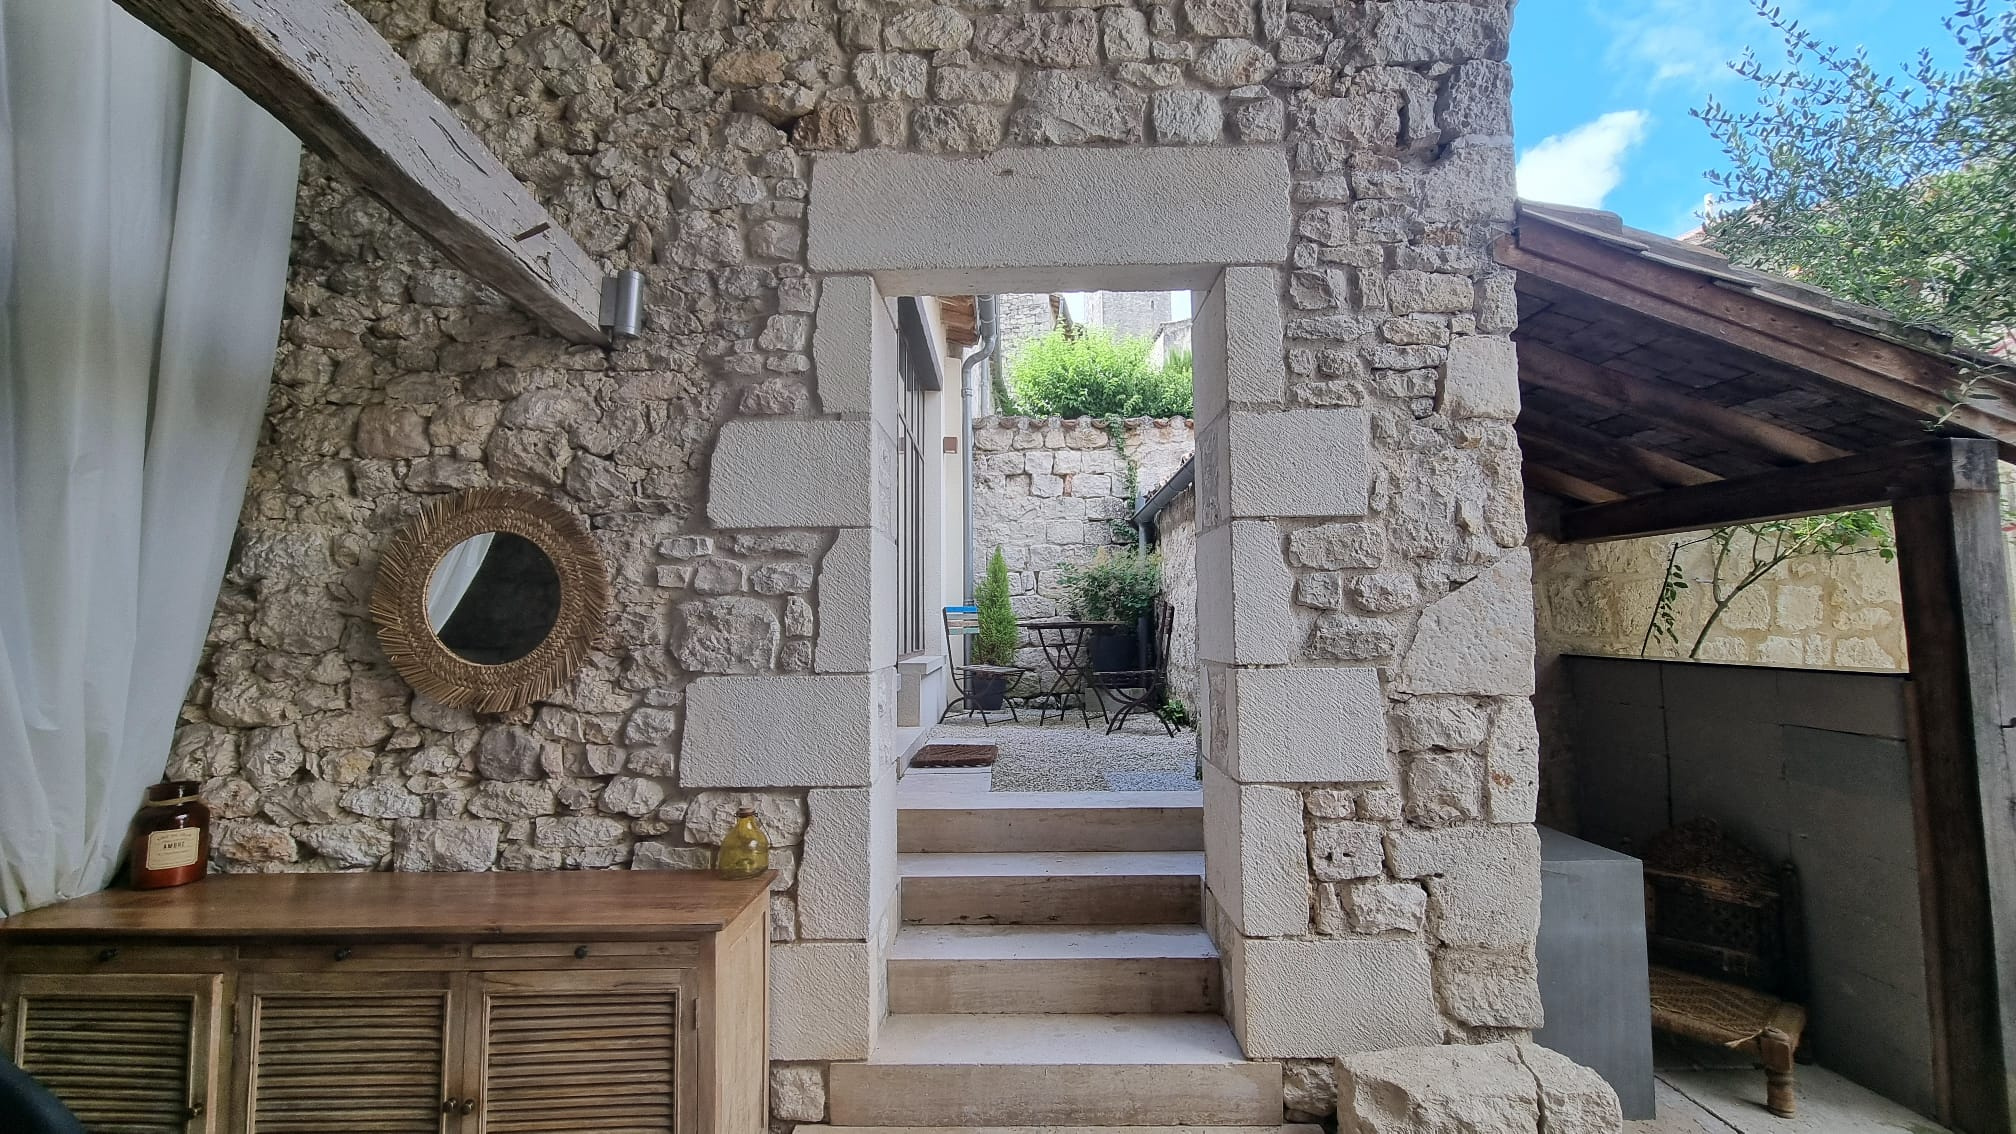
[(1666, 390)]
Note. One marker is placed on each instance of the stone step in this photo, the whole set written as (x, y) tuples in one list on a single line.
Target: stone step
[(1037, 1070), (1029, 969), (1051, 821), (1283, 1128), (1065, 888)]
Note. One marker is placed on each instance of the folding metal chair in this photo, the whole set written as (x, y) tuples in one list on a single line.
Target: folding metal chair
[(964, 622)]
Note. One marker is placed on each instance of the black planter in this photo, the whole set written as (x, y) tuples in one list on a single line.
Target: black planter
[(989, 693), (1123, 649)]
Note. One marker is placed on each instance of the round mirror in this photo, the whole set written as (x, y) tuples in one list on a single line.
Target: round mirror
[(493, 598)]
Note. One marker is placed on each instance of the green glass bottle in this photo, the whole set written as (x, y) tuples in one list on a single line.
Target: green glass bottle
[(745, 852)]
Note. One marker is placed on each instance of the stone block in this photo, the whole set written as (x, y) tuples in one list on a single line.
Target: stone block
[(1209, 355), (857, 603), (854, 345), (1186, 117), (1483, 882), (822, 1000), (1328, 997), (1478, 638), (1489, 990), (1059, 218), (1246, 612), (1304, 462), (1512, 765), (1499, 1088), (778, 732), (1481, 381), (1253, 857), (833, 874), (444, 844), (1306, 726), (1255, 373), (790, 473)]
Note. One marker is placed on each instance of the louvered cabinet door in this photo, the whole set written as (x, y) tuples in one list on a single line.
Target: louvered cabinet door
[(128, 1054), (567, 1052), (351, 1054)]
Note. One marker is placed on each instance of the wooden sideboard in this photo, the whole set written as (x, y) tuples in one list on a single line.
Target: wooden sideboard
[(511, 1003)]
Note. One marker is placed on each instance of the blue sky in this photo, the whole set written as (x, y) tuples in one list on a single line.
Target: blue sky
[(1602, 90)]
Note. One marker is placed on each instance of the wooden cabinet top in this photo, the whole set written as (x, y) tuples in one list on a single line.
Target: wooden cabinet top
[(608, 904)]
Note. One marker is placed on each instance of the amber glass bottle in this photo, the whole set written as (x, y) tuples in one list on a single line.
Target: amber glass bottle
[(171, 836), (745, 852)]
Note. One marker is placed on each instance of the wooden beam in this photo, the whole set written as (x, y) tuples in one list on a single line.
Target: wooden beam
[(1540, 478), (325, 73), (1563, 373), (1898, 472), (1963, 670), (1797, 339), (1668, 471)]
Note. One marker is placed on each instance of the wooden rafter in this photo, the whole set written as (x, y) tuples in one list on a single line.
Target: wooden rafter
[(1881, 476), (1556, 483), (1551, 369), (1787, 335), (1668, 471), (326, 74)]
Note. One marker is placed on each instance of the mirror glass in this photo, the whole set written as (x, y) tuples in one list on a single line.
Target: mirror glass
[(493, 598)]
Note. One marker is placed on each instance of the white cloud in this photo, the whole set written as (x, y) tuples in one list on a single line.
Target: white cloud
[(1687, 42), (1582, 166)]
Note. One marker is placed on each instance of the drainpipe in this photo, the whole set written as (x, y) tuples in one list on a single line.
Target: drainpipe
[(990, 337)]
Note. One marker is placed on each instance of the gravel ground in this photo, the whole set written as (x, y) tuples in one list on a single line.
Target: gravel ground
[(1071, 757)]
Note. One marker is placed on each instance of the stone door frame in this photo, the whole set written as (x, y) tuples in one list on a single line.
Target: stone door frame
[(1220, 222)]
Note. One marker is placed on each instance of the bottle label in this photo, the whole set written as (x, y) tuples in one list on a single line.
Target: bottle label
[(172, 850)]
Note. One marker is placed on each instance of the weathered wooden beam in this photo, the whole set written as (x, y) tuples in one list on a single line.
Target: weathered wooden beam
[(326, 74), (1540, 478), (1669, 471), (1551, 369), (1693, 302), (1882, 476), (1963, 681)]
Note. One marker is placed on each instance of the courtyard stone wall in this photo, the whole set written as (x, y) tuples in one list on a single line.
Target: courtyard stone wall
[(1176, 533), (1048, 492), (1373, 757)]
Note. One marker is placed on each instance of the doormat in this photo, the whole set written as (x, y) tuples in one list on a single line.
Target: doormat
[(956, 755)]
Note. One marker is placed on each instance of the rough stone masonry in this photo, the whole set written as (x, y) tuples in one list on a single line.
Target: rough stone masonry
[(1385, 898)]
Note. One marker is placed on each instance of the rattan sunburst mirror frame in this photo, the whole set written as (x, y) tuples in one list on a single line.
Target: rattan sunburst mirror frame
[(399, 599)]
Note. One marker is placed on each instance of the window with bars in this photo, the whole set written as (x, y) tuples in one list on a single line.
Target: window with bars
[(918, 364)]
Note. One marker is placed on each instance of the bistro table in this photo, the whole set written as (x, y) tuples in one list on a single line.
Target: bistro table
[(1067, 645)]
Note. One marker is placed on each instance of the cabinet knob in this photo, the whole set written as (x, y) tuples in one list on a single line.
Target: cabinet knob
[(343, 953), (580, 952), (468, 1107), (194, 1112), (107, 954), (448, 1106)]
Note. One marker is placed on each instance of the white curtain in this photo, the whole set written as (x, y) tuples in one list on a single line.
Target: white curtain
[(145, 213), (452, 577)]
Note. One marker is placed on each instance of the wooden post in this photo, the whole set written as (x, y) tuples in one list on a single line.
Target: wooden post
[(1963, 663)]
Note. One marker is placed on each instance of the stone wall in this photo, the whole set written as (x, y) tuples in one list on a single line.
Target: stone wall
[(1176, 533), (1370, 797), (1048, 492), (1824, 612)]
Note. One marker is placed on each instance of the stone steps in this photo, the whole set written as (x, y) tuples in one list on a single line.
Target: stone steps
[(1062, 888), (1284, 1128), (1040, 969), (1051, 821), (1062, 1070)]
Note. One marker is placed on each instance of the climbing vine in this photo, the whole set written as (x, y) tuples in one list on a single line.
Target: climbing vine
[(1123, 531)]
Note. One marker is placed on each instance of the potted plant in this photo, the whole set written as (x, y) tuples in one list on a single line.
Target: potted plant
[(1119, 588), (999, 637)]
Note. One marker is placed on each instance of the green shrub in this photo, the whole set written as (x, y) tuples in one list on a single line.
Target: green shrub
[(1091, 373), (999, 635), (1114, 587)]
